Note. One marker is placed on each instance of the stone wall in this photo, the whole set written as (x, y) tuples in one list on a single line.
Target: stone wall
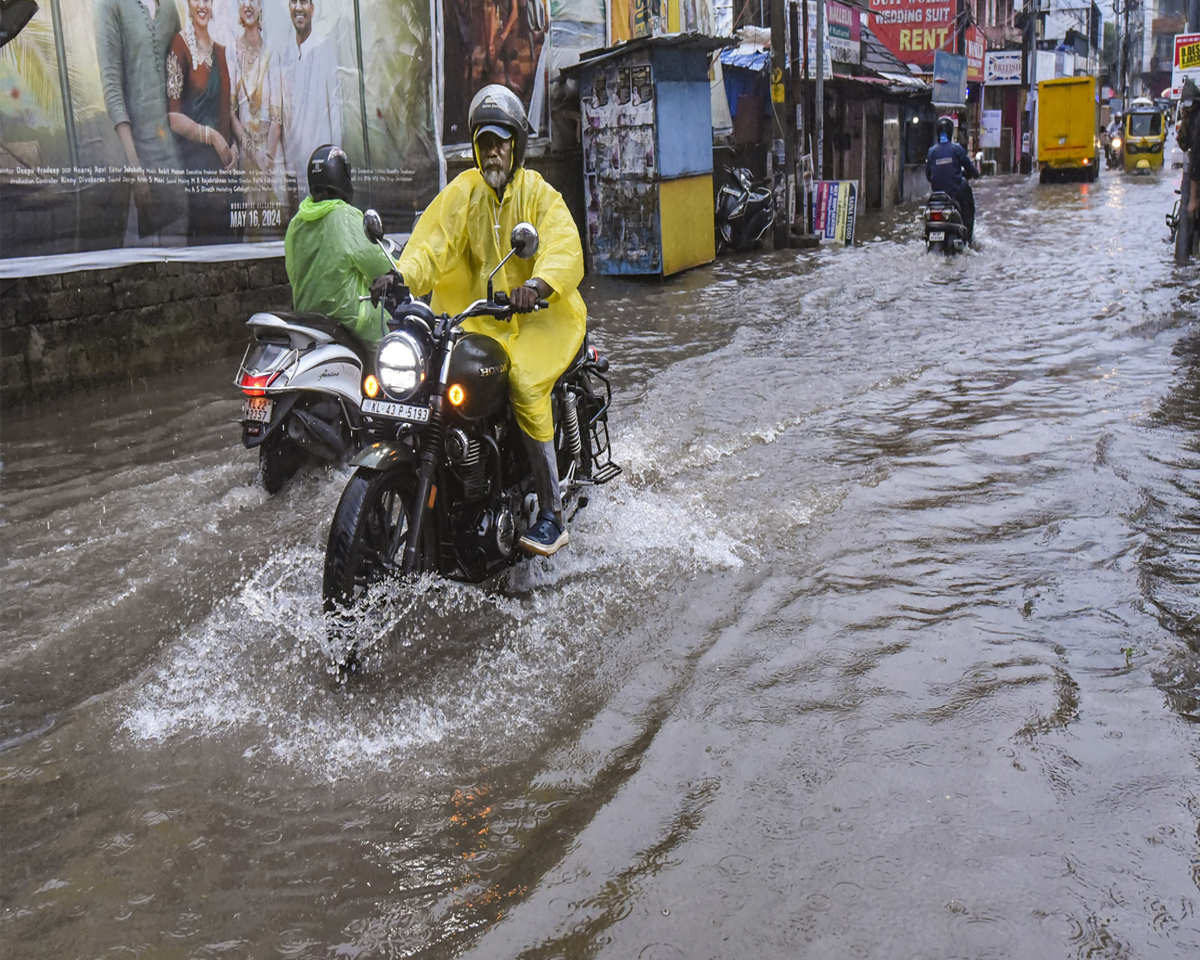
[(69, 331)]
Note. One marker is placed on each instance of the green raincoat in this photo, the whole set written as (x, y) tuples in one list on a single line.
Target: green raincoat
[(458, 241), (331, 263)]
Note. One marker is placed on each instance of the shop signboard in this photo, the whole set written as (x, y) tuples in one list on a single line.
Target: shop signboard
[(1002, 68), (914, 29), (835, 203), (844, 32), (976, 47), (1187, 59), (989, 128), (949, 79)]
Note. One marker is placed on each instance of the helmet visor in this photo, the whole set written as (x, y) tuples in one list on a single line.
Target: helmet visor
[(502, 132)]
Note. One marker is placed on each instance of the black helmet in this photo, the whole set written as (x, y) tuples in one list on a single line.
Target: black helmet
[(498, 108), (329, 174), (945, 125)]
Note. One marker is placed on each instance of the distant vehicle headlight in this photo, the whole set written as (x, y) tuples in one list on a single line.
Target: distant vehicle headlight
[(401, 363)]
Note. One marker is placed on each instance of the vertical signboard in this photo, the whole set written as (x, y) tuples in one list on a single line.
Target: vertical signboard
[(1187, 60), (975, 44), (835, 204)]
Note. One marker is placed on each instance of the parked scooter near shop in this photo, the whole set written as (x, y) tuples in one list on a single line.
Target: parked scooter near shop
[(745, 211), (301, 376)]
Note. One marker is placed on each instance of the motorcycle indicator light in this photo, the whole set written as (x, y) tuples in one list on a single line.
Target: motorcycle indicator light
[(371, 386), (456, 395), (255, 385)]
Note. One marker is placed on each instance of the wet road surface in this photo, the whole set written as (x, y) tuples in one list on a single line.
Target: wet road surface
[(885, 644)]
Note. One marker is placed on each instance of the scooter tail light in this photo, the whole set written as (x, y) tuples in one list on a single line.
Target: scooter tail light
[(255, 385), (935, 215)]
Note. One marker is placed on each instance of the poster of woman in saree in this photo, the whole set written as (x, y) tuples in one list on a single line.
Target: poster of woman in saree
[(198, 110), (256, 103)]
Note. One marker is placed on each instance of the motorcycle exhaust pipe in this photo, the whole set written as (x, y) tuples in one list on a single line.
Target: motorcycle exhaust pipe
[(316, 436)]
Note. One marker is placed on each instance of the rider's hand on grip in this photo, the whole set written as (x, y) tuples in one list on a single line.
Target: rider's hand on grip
[(388, 285)]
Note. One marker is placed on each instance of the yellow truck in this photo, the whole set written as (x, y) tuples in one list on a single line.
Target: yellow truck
[(1068, 129)]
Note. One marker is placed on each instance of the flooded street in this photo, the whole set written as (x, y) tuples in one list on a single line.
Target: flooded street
[(885, 644)]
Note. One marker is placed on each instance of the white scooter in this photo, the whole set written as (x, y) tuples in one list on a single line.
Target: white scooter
[(302, 376)]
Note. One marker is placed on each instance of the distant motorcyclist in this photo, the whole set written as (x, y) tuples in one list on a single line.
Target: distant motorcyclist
[(330, 263), (948, 168), (462, 236)]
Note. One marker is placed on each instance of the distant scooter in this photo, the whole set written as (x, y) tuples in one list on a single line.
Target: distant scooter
[(944, 225), (745, 211)]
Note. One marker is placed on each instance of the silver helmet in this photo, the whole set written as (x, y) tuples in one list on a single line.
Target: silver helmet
[(498, 108)]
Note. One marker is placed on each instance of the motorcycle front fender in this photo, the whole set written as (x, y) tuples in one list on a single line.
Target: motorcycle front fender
[(384, 456)]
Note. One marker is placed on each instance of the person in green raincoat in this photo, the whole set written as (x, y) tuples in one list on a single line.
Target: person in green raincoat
[(330, 262), (461, 237)]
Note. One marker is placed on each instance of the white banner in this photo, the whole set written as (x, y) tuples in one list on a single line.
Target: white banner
[(989, 128), (1002, 68)]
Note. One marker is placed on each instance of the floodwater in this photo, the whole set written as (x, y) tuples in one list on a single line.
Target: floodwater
[(885, 644)]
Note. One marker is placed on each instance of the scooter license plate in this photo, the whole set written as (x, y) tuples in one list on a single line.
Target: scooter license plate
[(258, 408), (936, 235), (396, 411)]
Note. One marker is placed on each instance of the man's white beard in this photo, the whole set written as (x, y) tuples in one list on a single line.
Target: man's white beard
[(495, 178)]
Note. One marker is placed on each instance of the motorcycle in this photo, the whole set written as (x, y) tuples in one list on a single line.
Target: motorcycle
[(745, 212), (944, 224), (301, 376), (445, 485), (1184, 236)]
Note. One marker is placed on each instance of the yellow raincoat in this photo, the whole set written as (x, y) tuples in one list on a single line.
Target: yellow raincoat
[(330, 264), (458, 241)]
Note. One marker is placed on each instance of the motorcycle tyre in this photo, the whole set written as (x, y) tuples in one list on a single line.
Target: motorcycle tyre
[(1184, 235), (280, 458), (361, 523)]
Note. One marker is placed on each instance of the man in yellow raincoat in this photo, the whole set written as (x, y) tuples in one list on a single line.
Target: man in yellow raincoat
[(330, 262), (458, 241)]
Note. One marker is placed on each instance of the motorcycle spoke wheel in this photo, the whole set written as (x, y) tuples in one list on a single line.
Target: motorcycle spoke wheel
[(368, 535)]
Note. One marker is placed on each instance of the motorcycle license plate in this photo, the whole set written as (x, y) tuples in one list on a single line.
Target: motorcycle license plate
[(936, 235), (258, 408), (396, 411)]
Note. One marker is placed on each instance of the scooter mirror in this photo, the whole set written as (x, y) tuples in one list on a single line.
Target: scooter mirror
[(525, 240), (373, 226)]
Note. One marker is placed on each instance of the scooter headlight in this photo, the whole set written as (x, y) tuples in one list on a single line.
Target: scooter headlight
[(401, 364)]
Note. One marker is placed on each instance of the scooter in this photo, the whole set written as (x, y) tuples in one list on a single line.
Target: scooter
[(745, 211), (302, 376), (944, 225)]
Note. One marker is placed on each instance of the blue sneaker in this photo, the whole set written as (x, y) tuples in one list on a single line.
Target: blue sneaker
[(545, 537)]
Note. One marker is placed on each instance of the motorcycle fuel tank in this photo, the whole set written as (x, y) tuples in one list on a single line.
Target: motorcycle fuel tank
[(479, 367)]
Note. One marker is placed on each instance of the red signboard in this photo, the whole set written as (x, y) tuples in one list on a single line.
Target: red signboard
[(976, 46), (914, 29)]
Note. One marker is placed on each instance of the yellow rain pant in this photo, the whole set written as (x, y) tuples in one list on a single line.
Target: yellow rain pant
[(458, 241)]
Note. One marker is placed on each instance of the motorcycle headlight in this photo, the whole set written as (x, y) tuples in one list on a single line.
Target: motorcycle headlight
[(401, 364)]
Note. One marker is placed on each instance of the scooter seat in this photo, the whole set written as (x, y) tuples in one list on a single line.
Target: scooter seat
[(330, 326)]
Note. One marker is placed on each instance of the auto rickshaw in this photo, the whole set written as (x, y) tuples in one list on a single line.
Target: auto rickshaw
[(1144, 136)]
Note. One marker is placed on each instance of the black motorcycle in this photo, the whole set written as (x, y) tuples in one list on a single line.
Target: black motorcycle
[(944, 225), (444, 484), (745, 212)]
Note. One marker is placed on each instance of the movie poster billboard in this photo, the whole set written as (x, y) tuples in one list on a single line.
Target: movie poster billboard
[(493, 41), (163, 124), (914, 29)]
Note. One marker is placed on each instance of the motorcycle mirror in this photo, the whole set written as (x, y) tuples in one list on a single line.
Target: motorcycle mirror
[(525, 240), (373, 226)]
